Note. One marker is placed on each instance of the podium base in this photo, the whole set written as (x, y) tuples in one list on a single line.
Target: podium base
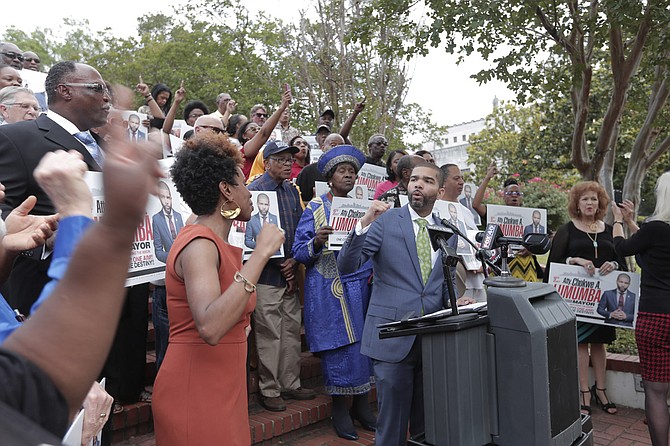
[(585, 439)]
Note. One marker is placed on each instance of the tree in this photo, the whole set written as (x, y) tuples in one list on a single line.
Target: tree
[(216, 45), (627, 40)]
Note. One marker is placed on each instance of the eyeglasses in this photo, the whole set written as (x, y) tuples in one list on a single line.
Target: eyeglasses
[(30, 59), (13, 56), (284, 161), (514, 193), (217, 130), (381, 142), (24, 106), (95, 86), (261, 115)]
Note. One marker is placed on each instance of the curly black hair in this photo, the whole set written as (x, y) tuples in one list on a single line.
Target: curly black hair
[(192, 106), (200, 166)]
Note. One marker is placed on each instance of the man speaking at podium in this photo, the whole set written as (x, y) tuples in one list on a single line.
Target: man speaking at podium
[(407, 281)]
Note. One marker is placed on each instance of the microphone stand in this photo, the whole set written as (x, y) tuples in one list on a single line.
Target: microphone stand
[(438, 239), (449, 260), (480, 254)]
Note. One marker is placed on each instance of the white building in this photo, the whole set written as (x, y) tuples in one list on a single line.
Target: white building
[(457, 143)]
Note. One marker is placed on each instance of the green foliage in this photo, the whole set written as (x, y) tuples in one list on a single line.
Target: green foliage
[(522, 141), (216, 46), (553, 197), (624, 342)]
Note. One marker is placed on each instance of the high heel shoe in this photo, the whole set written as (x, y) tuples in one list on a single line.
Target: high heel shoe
[(586, 408), (366, 423), (606, 407), (344, 427)]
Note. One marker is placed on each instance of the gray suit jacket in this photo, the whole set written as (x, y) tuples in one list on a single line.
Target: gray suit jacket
[(162, 236), (398, 288)]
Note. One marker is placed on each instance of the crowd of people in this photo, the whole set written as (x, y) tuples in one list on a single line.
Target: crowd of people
[(211, 301)]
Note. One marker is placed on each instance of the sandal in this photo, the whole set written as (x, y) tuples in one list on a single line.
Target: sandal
[(586, 409), (145, 396), (118, 408), (606, 407)]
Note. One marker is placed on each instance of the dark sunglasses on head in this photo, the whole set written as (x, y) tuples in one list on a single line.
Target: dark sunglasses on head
[(13, 56)]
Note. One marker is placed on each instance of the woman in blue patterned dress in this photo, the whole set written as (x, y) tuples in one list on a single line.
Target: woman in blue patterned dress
[(335, 305)]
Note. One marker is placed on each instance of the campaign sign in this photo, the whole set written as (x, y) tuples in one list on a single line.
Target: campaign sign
[(344, 214), (610, 299)]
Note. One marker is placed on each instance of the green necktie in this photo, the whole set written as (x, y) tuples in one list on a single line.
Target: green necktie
[(423, 249)]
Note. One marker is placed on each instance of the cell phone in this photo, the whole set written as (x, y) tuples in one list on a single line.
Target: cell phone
[(618, 197), (287, 87)]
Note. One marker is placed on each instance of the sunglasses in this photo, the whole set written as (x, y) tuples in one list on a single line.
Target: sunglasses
[(514, 193), (30, 59), (261, 115), (13, 56), (217, 130), (96, 86)]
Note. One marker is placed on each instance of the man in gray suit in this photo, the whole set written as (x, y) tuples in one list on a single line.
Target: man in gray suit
[(407, 280)]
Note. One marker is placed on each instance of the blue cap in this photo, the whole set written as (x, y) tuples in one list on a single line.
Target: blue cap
[(340, 154), (274, 147)]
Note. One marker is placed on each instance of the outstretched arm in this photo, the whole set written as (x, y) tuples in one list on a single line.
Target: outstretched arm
[(252, 147), (349, 123), (179, 96), (477, 201), (143, 89), (69, 338)]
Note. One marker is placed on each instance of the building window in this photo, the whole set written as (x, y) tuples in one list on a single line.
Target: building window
[(455, 138), (465, 138)]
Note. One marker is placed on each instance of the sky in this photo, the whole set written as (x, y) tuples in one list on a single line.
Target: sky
[(437, 83)]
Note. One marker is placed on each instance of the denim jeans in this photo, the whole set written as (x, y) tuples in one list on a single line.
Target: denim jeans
[(159, 317)]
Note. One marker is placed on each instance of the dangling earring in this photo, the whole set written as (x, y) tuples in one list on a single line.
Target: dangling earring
[(230, 214)]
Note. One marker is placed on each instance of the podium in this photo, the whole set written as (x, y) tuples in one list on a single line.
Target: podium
[(504, 376)]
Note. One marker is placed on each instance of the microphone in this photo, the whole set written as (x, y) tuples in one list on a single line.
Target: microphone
[(453, 227), (438, 235), (493, 238)]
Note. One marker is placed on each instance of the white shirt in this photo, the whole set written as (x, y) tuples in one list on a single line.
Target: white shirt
[(69, 127)]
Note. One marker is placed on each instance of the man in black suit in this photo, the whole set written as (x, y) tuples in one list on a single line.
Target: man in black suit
[(78, 101)]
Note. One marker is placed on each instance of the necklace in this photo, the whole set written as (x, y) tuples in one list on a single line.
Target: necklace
[(595, 242)]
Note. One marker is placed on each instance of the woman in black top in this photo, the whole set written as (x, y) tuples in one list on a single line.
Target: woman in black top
[(587, 241), (651, 243)]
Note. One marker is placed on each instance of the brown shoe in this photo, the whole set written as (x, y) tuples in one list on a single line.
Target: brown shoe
[(273, 404), (298, 394)]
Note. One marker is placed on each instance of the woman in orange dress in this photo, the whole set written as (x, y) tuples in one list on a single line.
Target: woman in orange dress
[(200, 394)]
